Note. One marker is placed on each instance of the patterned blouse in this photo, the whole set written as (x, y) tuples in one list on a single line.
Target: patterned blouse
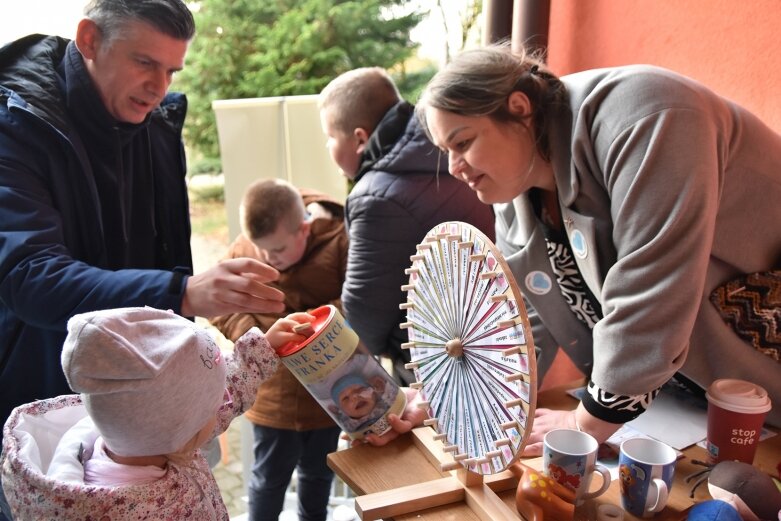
[(614, 408)]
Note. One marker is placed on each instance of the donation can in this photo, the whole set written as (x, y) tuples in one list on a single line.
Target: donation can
[(344, 378)]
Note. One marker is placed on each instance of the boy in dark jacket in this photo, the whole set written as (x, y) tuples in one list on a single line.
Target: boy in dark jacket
[(402, 190)]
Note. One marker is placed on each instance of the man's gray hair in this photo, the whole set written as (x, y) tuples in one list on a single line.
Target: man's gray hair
[(171, 17)]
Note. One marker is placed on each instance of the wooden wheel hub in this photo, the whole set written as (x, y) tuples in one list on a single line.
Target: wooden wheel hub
[(455, 348)]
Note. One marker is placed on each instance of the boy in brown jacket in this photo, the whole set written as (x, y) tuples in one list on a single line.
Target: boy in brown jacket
[(301, 233)]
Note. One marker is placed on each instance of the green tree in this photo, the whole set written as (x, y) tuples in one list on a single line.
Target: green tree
[(259, 48)]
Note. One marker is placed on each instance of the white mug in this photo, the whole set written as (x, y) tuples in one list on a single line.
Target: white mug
[(570, 457)]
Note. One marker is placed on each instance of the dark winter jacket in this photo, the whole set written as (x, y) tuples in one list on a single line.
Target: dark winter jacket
[(59, 254), (401, 192)]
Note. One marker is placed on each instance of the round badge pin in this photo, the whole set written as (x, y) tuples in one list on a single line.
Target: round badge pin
[(538, 282), (578, 242)]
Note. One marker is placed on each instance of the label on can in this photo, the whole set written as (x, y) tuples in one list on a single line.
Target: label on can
[(344, 378)]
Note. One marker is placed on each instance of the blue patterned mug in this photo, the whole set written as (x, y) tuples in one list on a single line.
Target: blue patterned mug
[(646, 469)]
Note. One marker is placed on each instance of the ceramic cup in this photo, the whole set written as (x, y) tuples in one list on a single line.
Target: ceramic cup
[(646, 469), (570, 457), (736, 412)]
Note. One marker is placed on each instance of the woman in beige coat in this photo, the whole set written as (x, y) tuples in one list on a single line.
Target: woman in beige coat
[(625, 198)]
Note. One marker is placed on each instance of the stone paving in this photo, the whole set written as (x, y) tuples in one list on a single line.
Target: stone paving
[(228, 471)]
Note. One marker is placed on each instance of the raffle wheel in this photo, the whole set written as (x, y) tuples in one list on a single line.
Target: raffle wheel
[(471, 347)]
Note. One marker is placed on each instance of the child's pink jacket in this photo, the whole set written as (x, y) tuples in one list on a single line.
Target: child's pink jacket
[(32, 433)]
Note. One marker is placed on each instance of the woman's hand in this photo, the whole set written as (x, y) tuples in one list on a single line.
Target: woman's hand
[(580, 419), (546, 420), (412, 416)]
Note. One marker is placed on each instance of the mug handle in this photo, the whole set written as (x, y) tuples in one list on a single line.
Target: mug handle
[(601, 469), (661, 495)]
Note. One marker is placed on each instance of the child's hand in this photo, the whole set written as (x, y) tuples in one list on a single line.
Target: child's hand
[(412, 416), (281, 332)]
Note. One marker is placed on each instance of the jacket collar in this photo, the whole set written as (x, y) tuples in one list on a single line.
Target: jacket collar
[(29, 68), (567, 184), (86, 107), (384, 138)]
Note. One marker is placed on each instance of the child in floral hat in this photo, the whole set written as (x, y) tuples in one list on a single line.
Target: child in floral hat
[(154, 387)]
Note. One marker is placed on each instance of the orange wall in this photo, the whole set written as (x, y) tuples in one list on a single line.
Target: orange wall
[(733, 46)]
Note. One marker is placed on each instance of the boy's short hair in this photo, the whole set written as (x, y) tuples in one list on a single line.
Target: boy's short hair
[(269, 202), (359, 98)]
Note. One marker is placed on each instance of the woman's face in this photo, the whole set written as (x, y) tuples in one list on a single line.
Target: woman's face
[(496, 161)]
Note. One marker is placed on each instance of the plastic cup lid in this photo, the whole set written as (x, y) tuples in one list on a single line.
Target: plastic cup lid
[(738, 395)]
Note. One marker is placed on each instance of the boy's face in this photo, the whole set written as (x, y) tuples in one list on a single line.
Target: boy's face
[(283, 249), (357, 400), (345, 148)]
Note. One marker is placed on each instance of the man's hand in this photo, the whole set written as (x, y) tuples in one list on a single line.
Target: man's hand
[(412, 416), (233, 286)]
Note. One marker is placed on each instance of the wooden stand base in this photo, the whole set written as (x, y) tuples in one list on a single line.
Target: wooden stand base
[(478, 492)]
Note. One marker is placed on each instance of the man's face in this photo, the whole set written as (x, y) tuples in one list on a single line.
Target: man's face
[(345, 148), (133, 71)]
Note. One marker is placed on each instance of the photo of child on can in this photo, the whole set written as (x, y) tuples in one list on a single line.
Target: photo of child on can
[(345, 379)]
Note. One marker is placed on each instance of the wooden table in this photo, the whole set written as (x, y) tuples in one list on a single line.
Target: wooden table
[(379, 475)]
